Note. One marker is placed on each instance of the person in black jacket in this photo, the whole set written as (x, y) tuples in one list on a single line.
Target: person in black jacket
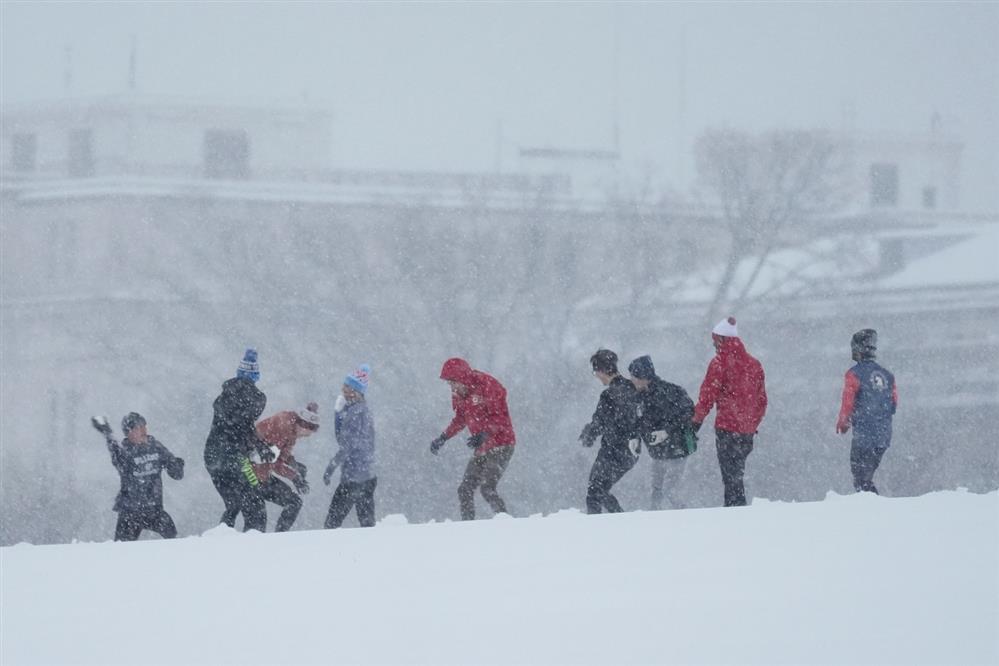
[(615, 421), (140, 460), (231, 443), (665, 427)]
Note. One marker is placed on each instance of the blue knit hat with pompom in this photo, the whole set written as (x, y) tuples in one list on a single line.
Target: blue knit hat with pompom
[(248, 367)]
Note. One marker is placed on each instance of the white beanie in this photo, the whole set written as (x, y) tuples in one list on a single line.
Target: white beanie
[(309, 415), (726, 328)]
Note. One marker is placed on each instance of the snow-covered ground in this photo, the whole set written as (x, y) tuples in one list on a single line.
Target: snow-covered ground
[(855, 579)]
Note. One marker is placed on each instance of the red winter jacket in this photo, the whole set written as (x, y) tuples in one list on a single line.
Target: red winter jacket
[(735, 383), (281, 431), (482, 409)]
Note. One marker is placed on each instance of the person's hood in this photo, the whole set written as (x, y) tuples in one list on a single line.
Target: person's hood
[(730, 346), (457, 370)]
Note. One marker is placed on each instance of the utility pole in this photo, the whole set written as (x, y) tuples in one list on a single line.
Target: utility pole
[(131, 66)]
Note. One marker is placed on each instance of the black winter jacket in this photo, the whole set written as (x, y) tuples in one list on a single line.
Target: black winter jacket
[(234, 435), (616, 416), (665, 407), (140, 467)]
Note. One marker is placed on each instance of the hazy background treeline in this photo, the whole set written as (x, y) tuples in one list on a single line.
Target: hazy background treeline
[(155, 315)]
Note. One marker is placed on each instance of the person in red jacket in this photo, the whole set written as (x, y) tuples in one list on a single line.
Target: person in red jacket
[(283, 430), (736, 384), (479, 403)]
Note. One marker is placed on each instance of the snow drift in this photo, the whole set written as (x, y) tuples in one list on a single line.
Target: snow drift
[(853, 579)]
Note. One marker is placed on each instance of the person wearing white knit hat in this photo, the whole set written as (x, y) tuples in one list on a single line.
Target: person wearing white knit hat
[(282, 431), (734, 382), (726, 328)]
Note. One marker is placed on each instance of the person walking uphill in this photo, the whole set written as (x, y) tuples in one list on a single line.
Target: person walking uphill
[(231, 440), (355, 433), (283, 430), (736, 384), (615, 421), (870, 398), (665, 426), (140, 460), (479, 403)]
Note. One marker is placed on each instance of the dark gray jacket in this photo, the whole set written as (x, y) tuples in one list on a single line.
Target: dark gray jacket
[(140, 467), (234, 434)]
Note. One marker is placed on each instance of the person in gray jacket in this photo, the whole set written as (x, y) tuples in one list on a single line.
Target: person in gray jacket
[(355, 433)]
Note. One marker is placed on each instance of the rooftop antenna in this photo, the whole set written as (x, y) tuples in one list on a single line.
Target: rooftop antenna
[(67, 68), (617, 81), (498, 155), (681, 107), (131, 65)]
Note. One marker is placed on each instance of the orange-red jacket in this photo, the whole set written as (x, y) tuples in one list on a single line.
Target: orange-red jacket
[(735, 383), (281, 431), (483, 409)]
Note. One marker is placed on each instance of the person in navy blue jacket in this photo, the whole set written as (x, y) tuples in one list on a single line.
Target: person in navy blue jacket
[(870, 398), (355, 433), (140, 460)]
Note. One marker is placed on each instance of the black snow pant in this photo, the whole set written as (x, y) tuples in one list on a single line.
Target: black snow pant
[(733, 449), (280, 493), (240, 497), (864, 462), (349, 495), (131, 523), (611, 464), (484, 473)]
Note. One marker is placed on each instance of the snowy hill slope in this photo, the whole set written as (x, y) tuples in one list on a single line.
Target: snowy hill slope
[(855, 579)]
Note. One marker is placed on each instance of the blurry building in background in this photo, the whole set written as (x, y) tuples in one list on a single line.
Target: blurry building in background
[(145, 240), (898, 171)]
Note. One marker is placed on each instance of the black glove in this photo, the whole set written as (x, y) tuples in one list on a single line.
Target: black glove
[(588, 436), (101, 424), (300, 468), (301, 485), (476, 440), (175, 468), (436, 445), (328, 474)]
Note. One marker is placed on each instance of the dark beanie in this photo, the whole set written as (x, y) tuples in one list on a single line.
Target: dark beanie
[(642, 368), (865, 342), (604, 361), (132, 420)]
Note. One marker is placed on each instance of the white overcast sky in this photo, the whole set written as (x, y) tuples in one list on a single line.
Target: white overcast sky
[(423, 85)]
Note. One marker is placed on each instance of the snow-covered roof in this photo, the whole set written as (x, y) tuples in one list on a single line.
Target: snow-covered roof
[(972, 261), (938, 257)]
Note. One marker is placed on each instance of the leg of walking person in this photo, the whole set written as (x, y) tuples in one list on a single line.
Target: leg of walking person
[(599, 483), (252, 506), (474, 473), (365, 503), (494, 465), (622, 464), (129, 526), (228, 489), (733, 449), (161, 523), (340, 505), (278, 492), (673, 474), (864, 461), (658, 476)]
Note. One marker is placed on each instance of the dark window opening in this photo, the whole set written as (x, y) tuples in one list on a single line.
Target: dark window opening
[(930, 198), (24, 151), (892, 255), (227, 154), (81, 153), (884, 185)]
